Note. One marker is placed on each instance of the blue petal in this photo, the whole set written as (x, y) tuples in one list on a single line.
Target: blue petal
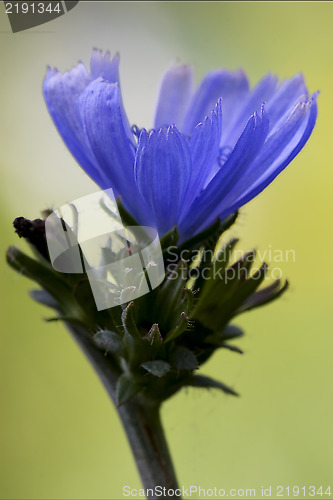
[(253, 102), (206, 208), (175, 95), (102, 65), (276, 154), (287, 96), (231, 86), (162, 170), (62, 93), (103, 122), (204, 146)]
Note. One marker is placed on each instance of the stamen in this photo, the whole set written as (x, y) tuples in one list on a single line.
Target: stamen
[(136, 131)]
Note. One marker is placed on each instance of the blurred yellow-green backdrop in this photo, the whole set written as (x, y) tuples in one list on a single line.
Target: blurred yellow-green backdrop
[(60, 437)]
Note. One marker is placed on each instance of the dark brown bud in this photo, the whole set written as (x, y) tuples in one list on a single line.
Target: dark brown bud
[(34, 232)]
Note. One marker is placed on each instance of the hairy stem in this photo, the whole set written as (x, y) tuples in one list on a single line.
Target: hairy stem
[(141, 421)]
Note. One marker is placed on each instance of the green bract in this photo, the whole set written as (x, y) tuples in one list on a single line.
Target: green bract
[(158, 343)]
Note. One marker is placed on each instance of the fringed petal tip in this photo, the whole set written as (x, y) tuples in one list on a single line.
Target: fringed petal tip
[(172, 129), (314, 97), (102, 64), (215, 117), (300, 80), (179, 69), (264, 118), (99, 56), (217, 111), (53, 70), (232, 86), (50, 71), (268, 165), (143, 138), (211, 150), (75, 79)]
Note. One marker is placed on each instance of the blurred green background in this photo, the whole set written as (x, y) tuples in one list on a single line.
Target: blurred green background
[(60, 436)]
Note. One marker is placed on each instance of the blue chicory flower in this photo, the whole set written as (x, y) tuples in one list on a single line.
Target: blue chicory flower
[(211, 149)]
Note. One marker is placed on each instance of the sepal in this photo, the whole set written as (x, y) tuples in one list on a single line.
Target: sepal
[(170, 295), (109, 341), (154, 336), (183, 358), (226, 292), (129, 324), (169, 239), (228, 333), (44, 298), (179, 329), (210, 236), (158, 367), (158, 341), (264, 296), (203, 382)]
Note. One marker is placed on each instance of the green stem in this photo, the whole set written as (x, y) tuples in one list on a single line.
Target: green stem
[(141, 421)]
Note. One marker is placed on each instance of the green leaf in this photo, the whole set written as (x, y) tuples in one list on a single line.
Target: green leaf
[(126, 388), (208, 383), (183, 359), (109, 341), (157, 367)]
